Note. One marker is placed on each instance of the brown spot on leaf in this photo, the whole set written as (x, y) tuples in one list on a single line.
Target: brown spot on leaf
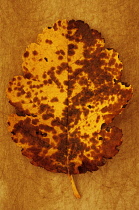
[(55, 99), (35, 52), (19, 78), (28, 94), (60, 57), (9, 89), (48, 41), (47, 116), (29, 82), (18, 94), (59, 23), (26, 54), (45, 82), (44, 75), (71, 48), (46, 59), (28, 75), (62, 52), (35, 121), (55, 27)]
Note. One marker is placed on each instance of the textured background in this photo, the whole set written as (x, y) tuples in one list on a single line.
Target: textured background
[(116, 185)]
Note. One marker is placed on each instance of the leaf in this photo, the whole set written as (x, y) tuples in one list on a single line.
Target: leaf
[(70, 92)]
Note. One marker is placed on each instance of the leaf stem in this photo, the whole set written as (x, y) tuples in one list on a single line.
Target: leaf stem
[(75, 191)]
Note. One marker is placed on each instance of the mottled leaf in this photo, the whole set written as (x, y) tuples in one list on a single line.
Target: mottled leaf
[(69, 94)]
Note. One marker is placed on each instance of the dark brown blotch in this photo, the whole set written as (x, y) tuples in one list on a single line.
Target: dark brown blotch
[(62, 52), (35, 99), (28, 94), (125, 84), (71, 48), (48, 41), (43, 98), (18, 94), (66, 101), (46, 127), (82, 33), (25, 68), (45, 82), (83, 81), (85, 112), (80, 62), (55, 27), (35, 52), (44, 75), (56, 122), (55, 99), (59, 22), (66, 82), (29, 82), (9, 89), (47, 116), (43, 107), (57, 52), (112, 61), (50, 81), (26, 54), (19, 78), (46, 59), (60, 57), (98, 118), (35, 121), (28, 75), (14, 79)]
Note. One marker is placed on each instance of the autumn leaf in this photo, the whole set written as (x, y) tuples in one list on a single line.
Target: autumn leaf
[(70, 92)]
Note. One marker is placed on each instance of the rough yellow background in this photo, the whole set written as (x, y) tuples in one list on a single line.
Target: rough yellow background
[(116, 185)]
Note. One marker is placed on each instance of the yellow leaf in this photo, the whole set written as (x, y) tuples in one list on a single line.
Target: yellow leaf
[(70, 91)]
